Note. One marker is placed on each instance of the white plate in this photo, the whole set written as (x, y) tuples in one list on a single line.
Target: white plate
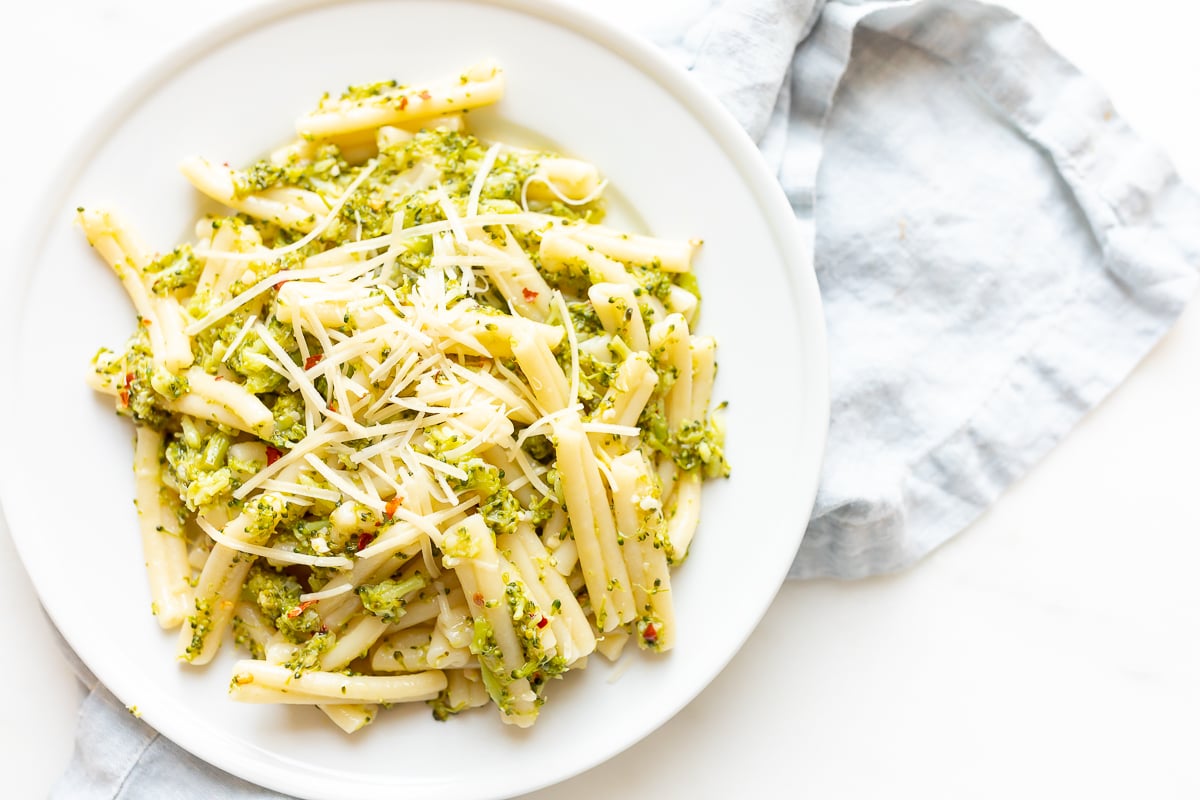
[(670, 152)]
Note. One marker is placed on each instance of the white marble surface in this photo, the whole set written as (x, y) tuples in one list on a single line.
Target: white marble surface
[(1052, 650)]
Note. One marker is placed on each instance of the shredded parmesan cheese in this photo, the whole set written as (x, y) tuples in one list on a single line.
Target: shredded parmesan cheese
[(273, 553), (325, 594)]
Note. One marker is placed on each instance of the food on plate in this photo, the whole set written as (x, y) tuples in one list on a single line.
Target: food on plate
[(411, 423)]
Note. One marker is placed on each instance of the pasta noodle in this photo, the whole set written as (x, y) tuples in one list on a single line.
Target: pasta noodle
[(411, 425)]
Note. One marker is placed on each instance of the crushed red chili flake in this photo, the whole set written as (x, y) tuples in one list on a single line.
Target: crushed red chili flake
[(272, 455), (278, 285), (543, 622), (364, 539), (392, 507), (529, 294), (146, 322), (300, 609), (650, 634), (313, 360), (124, 393), (404, 102), (425, 95), (477, 598)]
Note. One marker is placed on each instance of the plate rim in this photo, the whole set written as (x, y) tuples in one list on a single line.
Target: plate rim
[(795, 251)]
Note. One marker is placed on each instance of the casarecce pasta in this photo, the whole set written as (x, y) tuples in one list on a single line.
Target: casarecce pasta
[(411, 424)]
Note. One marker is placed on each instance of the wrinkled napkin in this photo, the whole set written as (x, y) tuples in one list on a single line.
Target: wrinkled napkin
[(995, 249)]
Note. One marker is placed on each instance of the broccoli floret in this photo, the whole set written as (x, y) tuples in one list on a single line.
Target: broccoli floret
[(265, 513), (195, 465), (501, 511), (386, 598), (278, 595), (696, 444), (246, 360), (309, 655), (482, 477), (274, 592), (700, 443), (176, 270), (139, 398), (288, 411), (207, 487)]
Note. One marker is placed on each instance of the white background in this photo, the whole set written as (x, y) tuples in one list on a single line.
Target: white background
[(1052, 650)]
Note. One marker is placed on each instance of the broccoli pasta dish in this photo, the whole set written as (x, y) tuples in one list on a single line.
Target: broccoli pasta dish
[(411, 423)]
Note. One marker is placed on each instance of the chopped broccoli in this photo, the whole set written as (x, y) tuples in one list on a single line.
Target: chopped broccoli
[(386, 599)]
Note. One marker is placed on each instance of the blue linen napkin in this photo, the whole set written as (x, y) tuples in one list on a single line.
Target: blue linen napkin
[(996, 250), (995, 247)]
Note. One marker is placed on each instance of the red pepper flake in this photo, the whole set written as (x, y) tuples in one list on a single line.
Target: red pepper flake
[(272, 455), (477, 598), (219, 378), (392, 506), (312, 361), (425, 95), (333, 406), (404, 102), (364, 539), (300, 609), (146, 322), (650, 634), (124, 393), (529, 294), (279, 285), (543, 622)]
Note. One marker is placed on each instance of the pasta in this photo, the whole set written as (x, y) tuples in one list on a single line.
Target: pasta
[(412, 425)]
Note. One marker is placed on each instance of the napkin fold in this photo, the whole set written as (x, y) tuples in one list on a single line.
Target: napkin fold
[(995, 249), (118, 757)]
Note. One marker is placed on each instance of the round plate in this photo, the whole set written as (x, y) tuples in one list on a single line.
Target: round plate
[(669, 151)]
